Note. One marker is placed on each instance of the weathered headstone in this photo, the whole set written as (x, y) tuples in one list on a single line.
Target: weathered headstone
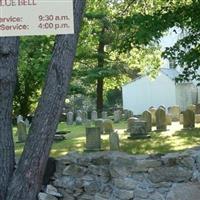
[(163, 107), (114, 141), (27, 124), (79, 120), (181, 119), (138, 130), (192, 107), (21, 131), (146, 116), (70, 118), (161, 124), (79, 113), (152, 110), (104, 115), (117, 116), (84, 116), (108, 126), (93, 139), (188, 119), (94, 115), (197, 118), (198, 109), (99, 123), (88, 123), (174, 111), (168, 119), (19, 118), (130, 122)]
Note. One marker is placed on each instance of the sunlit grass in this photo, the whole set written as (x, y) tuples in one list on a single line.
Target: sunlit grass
[(174, 139)]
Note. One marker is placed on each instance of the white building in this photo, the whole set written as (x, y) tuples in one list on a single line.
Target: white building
[(143, 92)]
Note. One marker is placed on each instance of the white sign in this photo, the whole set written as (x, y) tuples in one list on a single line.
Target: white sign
[(36, 17)]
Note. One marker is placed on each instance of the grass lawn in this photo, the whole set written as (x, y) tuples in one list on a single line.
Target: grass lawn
[(174, 139)]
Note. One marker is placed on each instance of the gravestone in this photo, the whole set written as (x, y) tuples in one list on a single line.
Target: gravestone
[(79, 120), (117, 116), (19, 118), (27, 124), (146, 116), (70, 118), (188, 119), (99, 123), (152, 110), (79, 113), (108, 126), (88, 123), (198, 109), (84, 116), (162, 107), (114, 141), (130, 122), (197, 118), (104, 115), (138, 130), (93, 139), (192, 107), (168, 119), (181, 118), (174, 111), (21, 131), (94, 115), (161, 124)]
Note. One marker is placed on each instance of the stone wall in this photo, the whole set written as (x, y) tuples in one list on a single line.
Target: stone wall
[(119, 176)]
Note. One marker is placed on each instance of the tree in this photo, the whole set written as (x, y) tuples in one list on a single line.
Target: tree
[(35, 53), (152, 25), (25, 182), (101, 62)]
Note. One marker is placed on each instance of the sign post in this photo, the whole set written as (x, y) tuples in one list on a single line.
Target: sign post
[(36, 17)]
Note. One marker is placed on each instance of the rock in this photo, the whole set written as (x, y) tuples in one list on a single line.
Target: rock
[(184, 191), (74, 170), (125, 183), (44, 196), (173, 174), (52, 191), (124, 194)]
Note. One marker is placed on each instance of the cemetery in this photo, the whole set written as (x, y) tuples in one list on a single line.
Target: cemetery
[(99, 100)]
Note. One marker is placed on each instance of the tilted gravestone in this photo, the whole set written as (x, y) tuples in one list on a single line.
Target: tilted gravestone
[(174, 111), (117, 116), (93, 139), (188, 119), (94, 115), (21, 131), (114, 141), (161, 124), (99, 123), (146, 116), (152, 110), (108, 126), (70, 118), (104, 115)]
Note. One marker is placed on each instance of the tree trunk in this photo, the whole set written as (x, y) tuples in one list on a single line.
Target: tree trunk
[(100, 82), (27, 179), (99, 96), (9, 48)]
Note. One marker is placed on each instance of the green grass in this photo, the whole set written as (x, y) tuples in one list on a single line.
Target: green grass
[(175, 139)]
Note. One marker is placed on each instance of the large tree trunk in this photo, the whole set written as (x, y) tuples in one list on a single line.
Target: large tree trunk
[(9, 48), (27, 179)]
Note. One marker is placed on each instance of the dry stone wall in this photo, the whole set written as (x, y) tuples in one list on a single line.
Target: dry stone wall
[(119, 176)]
